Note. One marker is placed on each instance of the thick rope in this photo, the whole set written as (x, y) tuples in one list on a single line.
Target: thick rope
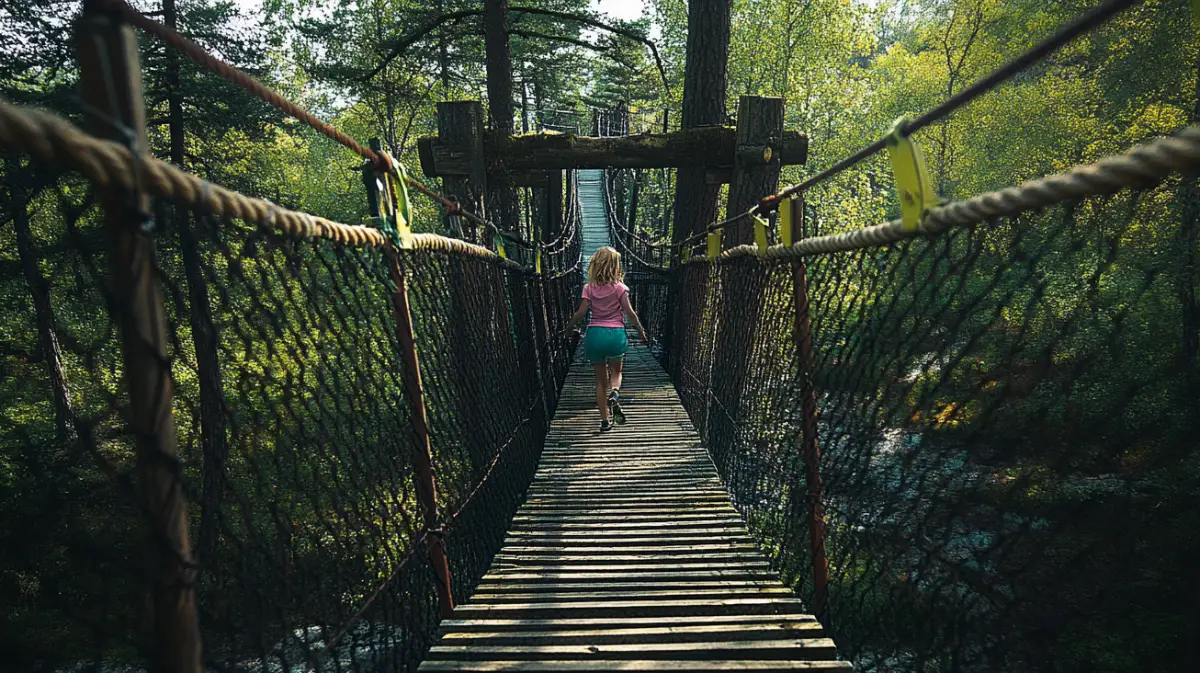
[(1141, 167), (53, 140), (110, 165), (455, 246), (248, 82)]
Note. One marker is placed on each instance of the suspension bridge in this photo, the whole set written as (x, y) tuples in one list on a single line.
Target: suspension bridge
[(253, 439)]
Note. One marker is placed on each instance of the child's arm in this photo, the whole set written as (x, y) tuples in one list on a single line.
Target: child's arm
[(582, 311), (628, 308)]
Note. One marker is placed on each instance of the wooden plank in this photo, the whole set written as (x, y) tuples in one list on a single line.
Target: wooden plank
[(638, 608), (793, 648), (603, 666), (671, 529), (630, 593), (634, 576), (749, 563), (766, 630), (667, 543), (543, 584), (702, 146)]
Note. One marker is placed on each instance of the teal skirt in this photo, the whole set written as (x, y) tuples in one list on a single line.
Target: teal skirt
[(605, 343)]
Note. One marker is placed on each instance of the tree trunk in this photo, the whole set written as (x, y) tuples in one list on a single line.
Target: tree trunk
[(43, 309), (500, 105), (443, 53), (524, 105), (499, 66), (704, 81), (705, 77), (503, 198), (1189, 274), (214, 445)]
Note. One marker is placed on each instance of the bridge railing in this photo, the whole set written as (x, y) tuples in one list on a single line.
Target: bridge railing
[(1007, 428), (970, 445), (240, 437)]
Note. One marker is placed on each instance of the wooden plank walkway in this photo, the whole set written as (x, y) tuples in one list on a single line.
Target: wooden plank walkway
[(594, 227), (628, 555)]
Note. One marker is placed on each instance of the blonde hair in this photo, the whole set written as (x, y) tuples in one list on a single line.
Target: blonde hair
[(605, 267)]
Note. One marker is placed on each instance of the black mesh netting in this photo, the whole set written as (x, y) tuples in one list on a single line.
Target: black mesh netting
[(640, 206), (295, 444), (1008, 425)]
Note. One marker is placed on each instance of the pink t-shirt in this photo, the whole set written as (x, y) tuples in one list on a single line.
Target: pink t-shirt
[(605, 302)]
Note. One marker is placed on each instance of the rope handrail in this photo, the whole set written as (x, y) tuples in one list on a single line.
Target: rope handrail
[(1089, 21), (1143, 166), (251, 84), (54, 140)]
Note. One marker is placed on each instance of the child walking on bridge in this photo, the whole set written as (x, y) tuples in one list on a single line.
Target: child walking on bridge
[(606, 343)]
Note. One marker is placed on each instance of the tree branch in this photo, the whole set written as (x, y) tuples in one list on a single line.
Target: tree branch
[(530, 34), (428, 27), (617, 30), (432, 24)]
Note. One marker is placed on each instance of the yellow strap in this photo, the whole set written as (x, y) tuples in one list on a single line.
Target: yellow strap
[(386, 204), (785, 221), (912, 177), (537, 261), (714, 244), (499, 241), (685, 255), (399, 205), (760, 233)]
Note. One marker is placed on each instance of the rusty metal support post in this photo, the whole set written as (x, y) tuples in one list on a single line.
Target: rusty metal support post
[(415, 393), (422, 453), (111, 82), (810, 448)]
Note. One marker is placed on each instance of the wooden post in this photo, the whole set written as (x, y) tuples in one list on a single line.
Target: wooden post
[(811, 448), (111, 82), (422, 453), (756, 161), (460, 128), (633, 199), (760, 122), (554, 205)]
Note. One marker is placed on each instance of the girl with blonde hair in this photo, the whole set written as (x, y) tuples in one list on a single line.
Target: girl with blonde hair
[(606, 343)]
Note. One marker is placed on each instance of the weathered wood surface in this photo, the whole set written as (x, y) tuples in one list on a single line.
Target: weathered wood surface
[(594, 227), (628, 555), (707, 146)]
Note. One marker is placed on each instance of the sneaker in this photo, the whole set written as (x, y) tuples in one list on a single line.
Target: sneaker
[(614, 407), (605, 426)]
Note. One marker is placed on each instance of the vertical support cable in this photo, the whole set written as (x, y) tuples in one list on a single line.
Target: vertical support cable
[(111, 84), (422, 453), (810, 448)]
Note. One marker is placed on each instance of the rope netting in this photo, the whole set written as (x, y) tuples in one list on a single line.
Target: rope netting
[(1007, 426), (640, 206), (296, 450)]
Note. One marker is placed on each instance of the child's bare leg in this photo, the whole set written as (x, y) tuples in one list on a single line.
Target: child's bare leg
[(615, 368), (601, 389)]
